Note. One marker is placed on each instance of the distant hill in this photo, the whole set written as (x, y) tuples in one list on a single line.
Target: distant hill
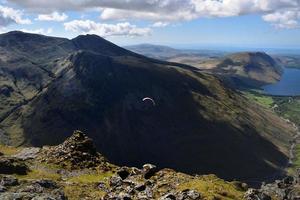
[(289, 61), (191, 121), (169, 53), (249, 69), (154, 51), (246, 69)]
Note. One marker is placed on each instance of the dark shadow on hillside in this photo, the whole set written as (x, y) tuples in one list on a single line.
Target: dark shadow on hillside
[(103, 97)]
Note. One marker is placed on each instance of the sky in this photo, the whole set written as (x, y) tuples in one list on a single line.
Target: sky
[(178, 23)]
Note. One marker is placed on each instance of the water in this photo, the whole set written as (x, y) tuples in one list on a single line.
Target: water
[(289, 85)]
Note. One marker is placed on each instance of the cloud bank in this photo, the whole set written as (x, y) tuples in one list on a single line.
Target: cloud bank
[(55, 16), (105, 30), (280, 13), (11, 16)]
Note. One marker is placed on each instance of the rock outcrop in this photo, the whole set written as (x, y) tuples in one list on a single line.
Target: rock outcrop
[(286, 189), (147, 184), (75, 170), (77, 152), (11, 189)]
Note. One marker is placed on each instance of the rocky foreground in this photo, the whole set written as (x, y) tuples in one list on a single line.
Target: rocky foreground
[(75, 170)]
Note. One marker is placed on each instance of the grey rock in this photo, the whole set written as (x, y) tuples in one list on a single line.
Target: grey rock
[(189, 195), (8, 181), (115, 181), (149, 170), (46, 184), (253, 194), (28, 153), (2, 188)]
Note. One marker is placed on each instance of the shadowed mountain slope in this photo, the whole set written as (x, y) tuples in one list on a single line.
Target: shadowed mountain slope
[(197, 125)]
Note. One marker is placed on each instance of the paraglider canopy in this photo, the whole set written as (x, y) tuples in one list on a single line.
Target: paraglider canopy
[(148, 99)]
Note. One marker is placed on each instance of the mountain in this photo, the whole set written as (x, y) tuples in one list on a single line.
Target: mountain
[(154, 51), (137, 110), (246, 69), (172, 54), (250, 69)]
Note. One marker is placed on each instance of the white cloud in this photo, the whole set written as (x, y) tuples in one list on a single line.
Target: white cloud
[(38, 31), (11, 16), (105, 30), (160, 24), (284, 19), (55, 16), (135, 5), (118, 14), (175, 10)]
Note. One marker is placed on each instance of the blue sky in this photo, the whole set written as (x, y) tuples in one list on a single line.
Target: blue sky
[(180, 23)]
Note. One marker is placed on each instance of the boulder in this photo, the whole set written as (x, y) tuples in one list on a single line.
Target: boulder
[(28, 153), (149, 170), (115, 181), (253, 194), (189, 195)]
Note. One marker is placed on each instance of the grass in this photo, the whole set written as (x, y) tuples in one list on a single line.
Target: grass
[(90, 178), (286, 107), (85, 186), (296, 162), (289, 108), (212, 188), (264, 100), (82, 191), (40, 174), (8, 150)]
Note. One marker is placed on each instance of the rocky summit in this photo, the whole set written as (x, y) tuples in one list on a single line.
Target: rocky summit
[(78, 151), (74, 170)]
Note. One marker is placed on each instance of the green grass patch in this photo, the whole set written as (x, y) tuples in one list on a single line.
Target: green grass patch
[(75, 192), (296, 161), (8, 150), (211, 187), (40, 174), (91, 178), (84, 186), (264, 100), (289, 108)]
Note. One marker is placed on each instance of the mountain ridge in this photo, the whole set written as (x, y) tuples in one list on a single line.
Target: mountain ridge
[(240, 69), (102, 94)]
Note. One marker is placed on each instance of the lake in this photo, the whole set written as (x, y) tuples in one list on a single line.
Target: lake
[(289, 85)]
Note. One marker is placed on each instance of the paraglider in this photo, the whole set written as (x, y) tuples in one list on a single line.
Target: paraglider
[(148, 99)]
